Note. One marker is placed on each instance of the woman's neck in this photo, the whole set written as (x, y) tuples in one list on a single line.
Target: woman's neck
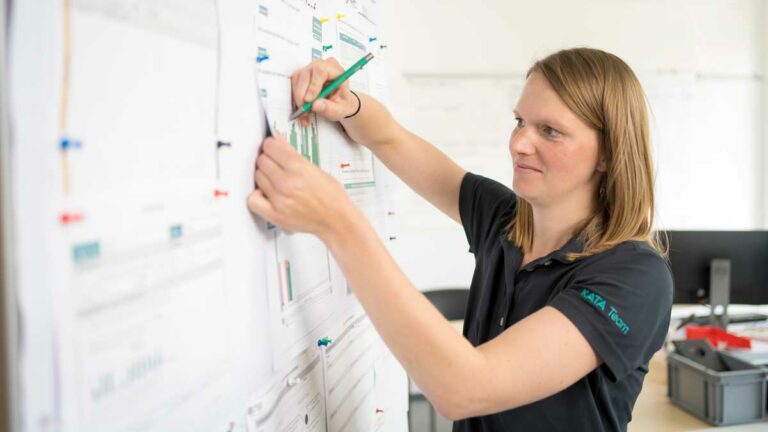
[(554, 225)]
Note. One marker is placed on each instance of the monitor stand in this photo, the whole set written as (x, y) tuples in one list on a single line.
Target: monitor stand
[(719, 291), (719, 298)]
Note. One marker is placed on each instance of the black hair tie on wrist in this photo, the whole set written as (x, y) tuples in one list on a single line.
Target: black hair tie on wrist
[(359, 104)]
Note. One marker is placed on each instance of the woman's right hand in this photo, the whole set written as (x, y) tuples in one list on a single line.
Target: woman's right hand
[(306, 84)]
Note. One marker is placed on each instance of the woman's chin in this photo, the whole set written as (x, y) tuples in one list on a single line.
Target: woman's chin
[(531, 199), (523, 191)]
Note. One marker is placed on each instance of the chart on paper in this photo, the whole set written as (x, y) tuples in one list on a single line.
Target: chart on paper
[(352, 373), (150, 297), (136, 318)]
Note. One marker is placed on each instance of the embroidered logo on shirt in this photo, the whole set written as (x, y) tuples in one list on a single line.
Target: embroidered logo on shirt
[(594, 298), (599, 303)]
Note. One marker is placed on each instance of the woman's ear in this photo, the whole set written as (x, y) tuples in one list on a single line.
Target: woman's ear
[(602, 166)]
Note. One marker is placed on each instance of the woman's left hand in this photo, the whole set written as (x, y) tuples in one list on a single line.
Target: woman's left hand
[(295, 194)]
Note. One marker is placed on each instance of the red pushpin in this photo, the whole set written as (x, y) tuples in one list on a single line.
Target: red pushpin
[(66, 218), (344, 165), (220, 193), (379, 411)]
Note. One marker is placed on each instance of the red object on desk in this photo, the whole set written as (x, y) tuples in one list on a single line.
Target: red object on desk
[(717, 337)]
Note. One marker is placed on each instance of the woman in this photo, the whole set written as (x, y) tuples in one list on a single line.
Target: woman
[(570, 296)]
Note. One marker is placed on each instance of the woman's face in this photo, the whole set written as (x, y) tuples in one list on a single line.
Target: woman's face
[(554, 152)]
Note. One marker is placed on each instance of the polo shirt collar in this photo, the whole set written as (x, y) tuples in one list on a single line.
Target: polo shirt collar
[(574, 245)]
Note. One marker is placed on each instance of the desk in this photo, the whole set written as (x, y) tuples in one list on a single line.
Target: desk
[(654, 412)]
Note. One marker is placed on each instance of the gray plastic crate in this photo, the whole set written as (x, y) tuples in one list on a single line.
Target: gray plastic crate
[(737, 395)]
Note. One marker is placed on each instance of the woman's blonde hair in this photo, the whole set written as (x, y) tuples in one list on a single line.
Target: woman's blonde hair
[(604, 92)]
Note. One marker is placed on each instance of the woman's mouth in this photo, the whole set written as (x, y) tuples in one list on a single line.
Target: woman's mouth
[(526, 168)]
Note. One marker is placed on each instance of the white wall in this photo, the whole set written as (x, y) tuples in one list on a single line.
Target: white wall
[(502, 36), (764, 50), (457, 70)]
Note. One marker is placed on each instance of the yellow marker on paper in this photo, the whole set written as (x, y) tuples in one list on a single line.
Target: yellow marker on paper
[(340, 16), (324, 20)]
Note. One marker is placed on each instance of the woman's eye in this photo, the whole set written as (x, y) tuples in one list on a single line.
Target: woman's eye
[(551, 132), (519, 122)]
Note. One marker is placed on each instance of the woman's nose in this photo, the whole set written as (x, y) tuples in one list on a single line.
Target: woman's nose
[(521, 142)]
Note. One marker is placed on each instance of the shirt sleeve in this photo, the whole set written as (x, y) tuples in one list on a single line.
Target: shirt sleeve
[(621, 304), (484, 206)]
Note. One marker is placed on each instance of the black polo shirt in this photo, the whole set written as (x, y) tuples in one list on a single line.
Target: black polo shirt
[(619, 299)]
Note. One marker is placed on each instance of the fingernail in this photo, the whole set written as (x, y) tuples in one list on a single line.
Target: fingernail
[(309, 96), (320, 106)]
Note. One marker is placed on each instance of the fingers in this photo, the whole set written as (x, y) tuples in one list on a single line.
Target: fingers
[(259, 204), (264, 184), (330, 109), (270, 168), (334, 68), (280, 152), (300, 81), (316, 82), (308, 82)]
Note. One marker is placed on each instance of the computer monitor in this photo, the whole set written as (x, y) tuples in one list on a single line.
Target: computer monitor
[(691, 254)]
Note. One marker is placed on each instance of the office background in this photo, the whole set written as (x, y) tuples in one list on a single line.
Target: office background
[(456, 70), (457, 67)]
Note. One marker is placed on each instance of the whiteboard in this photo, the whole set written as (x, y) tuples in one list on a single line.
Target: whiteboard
[(149, 297)]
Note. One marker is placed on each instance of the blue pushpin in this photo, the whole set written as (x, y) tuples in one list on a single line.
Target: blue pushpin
[(66, 144), (261, 58), (323, 342), (372, 39)]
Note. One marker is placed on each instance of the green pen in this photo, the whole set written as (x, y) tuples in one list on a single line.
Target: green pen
[(330, 88)]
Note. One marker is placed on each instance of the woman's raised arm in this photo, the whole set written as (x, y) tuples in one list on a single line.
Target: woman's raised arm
[(422, 166)]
